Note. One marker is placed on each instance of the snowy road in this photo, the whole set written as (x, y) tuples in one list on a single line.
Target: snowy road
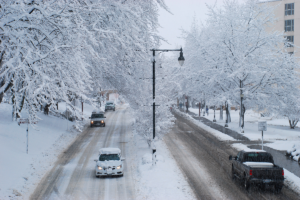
[(204, 161), (73, 175)]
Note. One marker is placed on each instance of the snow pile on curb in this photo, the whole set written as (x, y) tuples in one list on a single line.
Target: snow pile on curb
[(221, 136), (292, 181), (294, 152)]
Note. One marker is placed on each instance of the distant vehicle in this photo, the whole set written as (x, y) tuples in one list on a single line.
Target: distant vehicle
[(257, 167), (110, 106), (97, 119), (109, 163)]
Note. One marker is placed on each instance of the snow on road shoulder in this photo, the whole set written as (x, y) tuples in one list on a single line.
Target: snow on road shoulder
[(292, 181), (216, 133), (162, 181)]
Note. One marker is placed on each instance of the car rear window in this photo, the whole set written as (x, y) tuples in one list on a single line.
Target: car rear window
[(258, 157)]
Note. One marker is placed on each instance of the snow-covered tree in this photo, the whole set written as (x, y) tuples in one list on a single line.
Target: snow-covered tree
[(233, 55)]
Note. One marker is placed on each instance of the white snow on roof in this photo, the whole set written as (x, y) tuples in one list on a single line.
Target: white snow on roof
[(109, 151), (97, 111), (254, 150)]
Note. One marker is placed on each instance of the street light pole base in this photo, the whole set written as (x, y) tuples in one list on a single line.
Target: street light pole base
[(214, 120), (226, 125), (153, 157)]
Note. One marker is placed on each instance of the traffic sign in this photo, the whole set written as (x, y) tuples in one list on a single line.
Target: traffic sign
[(262, 126)]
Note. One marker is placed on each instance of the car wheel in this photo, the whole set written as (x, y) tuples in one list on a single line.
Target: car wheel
[(232, 173), (278, 188), (246, 183)]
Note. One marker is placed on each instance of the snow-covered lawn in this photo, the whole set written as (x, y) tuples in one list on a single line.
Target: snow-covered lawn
[(20, 172), (278, 131)]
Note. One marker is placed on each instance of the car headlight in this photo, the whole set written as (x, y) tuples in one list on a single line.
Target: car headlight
[(102, 121), (119, 167), (92, 122), (100, 168)]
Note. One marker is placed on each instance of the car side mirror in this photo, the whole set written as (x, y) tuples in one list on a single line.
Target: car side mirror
[(89, 117), (104, 117), (95, 160), (230, 157), (122, 159)]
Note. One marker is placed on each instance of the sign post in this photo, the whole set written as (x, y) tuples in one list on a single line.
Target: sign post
[(262, 126), (25, 121)]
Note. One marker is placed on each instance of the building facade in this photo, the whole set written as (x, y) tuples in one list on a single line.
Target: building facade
[(287, 13)]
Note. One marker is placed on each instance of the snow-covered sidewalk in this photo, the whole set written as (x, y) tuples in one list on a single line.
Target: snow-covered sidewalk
[(278, 133)]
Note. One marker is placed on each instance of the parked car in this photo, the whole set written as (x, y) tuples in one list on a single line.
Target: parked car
[(109, 163), (257, 167), (97, 119), (110, 106)]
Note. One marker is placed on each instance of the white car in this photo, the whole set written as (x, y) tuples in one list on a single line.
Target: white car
[(109, 163)]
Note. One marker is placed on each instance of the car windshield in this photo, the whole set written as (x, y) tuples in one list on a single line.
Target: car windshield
[(109, 104), (104, 157), (258, 157), (97, 116)]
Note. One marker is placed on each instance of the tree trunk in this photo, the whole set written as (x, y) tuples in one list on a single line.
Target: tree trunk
[(243, 117), (221, 112), (293, 123), (46, 109)]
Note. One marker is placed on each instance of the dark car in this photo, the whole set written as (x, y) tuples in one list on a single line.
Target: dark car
[(110, 106), (257, 167), (97, 119)]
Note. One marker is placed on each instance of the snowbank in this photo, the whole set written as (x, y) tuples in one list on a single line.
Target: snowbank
[(218, 134), (20, 172)]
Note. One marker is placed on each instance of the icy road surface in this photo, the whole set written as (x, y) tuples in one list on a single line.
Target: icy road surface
[(73, 176), (204, 161)]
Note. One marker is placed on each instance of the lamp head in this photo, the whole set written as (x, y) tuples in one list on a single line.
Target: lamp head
[(181, 58)]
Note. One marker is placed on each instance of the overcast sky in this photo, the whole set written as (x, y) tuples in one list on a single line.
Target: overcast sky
[(183, 13)]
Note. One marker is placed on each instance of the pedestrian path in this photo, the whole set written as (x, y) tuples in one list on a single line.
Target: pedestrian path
[(279, 156)]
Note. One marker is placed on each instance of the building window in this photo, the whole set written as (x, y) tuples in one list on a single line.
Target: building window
[(289, 9), (289, 25), (289, 41)]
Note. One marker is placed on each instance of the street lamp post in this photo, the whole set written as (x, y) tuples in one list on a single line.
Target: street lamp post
[(181, 61)]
